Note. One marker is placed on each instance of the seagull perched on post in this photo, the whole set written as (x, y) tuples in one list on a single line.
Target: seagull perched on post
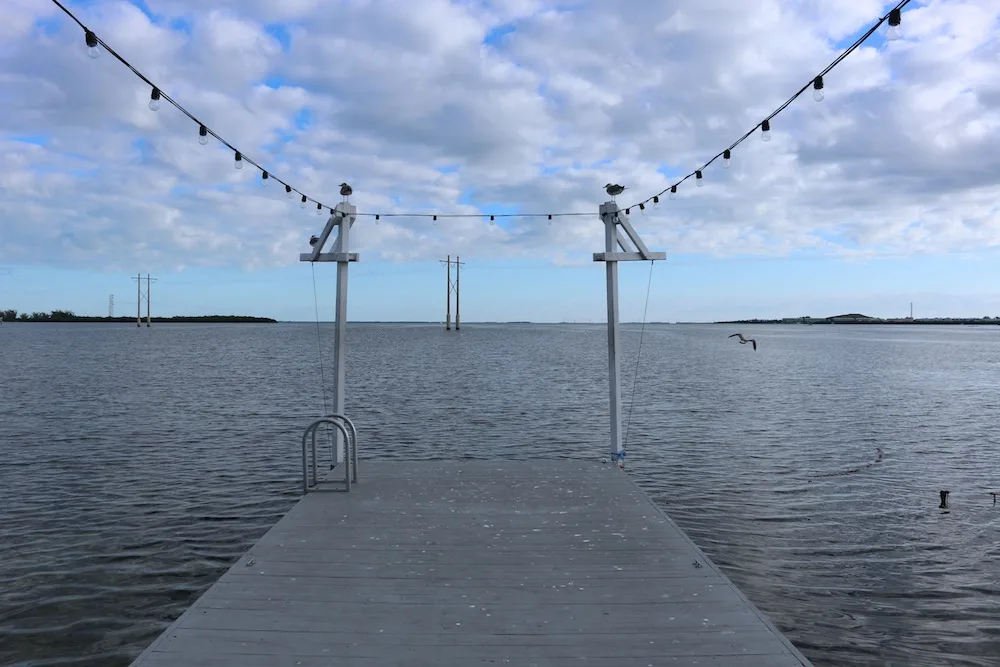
[(614, 190), (346, 190), (744, 341)]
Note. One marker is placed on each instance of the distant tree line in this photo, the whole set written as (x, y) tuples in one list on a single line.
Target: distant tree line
[(69, 316), (858, 318)]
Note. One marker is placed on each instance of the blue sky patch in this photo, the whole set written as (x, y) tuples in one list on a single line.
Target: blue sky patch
[(281, 33), (496, 36), (274, 81), (303, 118), (181, 24), (155, 19), (50, 26), (449, 169), (36, 139)]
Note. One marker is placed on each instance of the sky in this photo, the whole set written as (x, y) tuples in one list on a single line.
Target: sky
[(883, 194)]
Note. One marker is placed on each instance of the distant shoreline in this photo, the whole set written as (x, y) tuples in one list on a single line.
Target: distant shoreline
[(207, 319), (850, 319)]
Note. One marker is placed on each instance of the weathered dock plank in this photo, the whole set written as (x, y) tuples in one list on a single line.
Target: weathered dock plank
[(474, 562)]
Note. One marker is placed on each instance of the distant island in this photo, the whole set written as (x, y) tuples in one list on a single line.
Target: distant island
[(858, 318), (69, 316)]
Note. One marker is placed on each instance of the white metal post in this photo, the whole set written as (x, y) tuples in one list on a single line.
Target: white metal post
[(612, 218), (342, 218), (609, 215)]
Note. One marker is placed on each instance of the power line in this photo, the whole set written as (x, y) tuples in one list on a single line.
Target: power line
[(94, 43), (894, 17)]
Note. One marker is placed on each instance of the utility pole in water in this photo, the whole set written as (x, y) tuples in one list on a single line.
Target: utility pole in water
[(111, 306), (452, 286), (139, 296)]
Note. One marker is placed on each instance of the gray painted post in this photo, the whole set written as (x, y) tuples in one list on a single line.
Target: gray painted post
[(609, 215), (342, 217), (632, 249), (340, 327)]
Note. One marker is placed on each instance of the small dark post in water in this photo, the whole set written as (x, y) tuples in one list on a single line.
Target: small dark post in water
[(995, 494), (944, 500)]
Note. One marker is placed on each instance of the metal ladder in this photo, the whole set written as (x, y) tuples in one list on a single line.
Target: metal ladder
[(350, 433)]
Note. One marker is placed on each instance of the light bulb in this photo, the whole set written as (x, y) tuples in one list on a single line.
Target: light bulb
[(818, 89), (154, 99), (765, 131), (288, 190), (93, 49), (725, 159), (239, 161), (263, 179), (892, 33), (303, 204), (673, 192), (203, 135), (656, 203), (319, 209), (698, 179)]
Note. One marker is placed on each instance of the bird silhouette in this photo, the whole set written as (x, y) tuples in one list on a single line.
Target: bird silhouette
[(346, 190), (614, 190), (744, 341)]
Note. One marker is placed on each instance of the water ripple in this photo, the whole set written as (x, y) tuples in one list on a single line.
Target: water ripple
[(139, 464)]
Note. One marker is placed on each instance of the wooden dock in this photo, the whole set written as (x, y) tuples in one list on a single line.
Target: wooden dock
[(459, 563)]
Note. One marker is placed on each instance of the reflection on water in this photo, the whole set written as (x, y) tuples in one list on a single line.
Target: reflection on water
[(137, 464)]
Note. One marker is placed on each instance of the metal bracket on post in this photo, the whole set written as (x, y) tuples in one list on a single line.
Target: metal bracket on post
[(342, 217), (618, 248)]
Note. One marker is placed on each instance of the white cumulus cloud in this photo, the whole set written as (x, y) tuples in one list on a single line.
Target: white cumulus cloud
[(441, 106)]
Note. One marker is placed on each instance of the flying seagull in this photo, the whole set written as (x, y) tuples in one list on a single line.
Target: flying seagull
[(744, 341), (614, 190), (346, 190)]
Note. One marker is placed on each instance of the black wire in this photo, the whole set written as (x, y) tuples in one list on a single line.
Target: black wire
[(472, 215), (638, 356), (848, 51)]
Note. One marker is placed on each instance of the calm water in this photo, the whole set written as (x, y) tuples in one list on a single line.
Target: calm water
[(137, 464)]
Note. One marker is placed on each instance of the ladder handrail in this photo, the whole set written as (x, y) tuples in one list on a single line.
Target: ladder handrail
[(311, 429), (354, 444)]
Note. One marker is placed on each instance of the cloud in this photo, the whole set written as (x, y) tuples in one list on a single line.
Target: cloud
[(517, 106)]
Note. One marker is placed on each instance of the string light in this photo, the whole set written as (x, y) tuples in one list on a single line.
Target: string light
[(818, 88), (95, 43), (319, 209), (892, 33), (303, 204), (698, 180), (263, 178), (765, 130), (93, 50), (893, 18)]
